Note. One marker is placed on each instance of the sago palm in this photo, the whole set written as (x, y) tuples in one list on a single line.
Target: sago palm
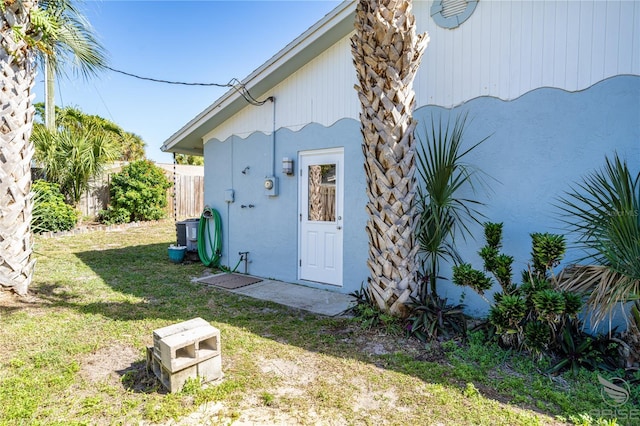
[(387, 52)]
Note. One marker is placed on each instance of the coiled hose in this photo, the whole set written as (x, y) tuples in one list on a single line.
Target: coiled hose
[(207, 243)]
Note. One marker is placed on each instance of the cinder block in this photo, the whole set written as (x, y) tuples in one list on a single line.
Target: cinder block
[(163, 332), (173, 381), (210, 369), (149, 363), (189, 347)]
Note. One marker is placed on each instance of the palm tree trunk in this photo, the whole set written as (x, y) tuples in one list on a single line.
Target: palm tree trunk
[(16, 83), (387, 53)]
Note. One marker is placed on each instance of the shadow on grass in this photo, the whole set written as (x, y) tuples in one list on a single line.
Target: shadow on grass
[(150, 287), (136, 378)]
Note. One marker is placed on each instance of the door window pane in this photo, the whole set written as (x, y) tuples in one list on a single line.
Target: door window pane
[(322, 192)]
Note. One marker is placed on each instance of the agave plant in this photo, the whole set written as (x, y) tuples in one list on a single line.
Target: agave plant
[(434, 317), (443, 212), (604, 212)]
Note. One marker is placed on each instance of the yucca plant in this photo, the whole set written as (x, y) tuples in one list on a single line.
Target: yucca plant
[(572, 303), (549, 304), (603, 211), (547, 250), (465, 275), (443, 213), (508, 312), (530, 316)]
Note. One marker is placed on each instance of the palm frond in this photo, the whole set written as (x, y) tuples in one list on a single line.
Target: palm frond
[(72, 157), (442, 213), (604, 288), (603, 212), (68, 38)]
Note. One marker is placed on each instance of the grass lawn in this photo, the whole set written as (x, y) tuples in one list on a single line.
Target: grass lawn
[(73, 353)]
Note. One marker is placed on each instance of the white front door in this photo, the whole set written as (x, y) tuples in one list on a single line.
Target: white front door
[(321, 186)]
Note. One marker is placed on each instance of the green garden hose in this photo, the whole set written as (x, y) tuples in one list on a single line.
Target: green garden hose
[(212, 245), (206, 241)]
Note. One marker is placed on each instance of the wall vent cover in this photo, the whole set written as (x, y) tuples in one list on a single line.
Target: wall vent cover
[(452, 13)]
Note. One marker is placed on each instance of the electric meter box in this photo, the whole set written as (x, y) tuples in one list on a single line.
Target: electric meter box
[(271, 186)]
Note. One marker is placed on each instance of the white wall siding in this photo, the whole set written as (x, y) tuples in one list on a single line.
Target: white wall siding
[(504, 50), (508, 48), (320, 92)]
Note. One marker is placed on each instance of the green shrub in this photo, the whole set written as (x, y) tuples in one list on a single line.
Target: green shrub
[(535, 316), (50, 212), (113, 216), (138, 193)]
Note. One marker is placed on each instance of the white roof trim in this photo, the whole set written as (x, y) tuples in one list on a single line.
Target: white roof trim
[(324, 33)]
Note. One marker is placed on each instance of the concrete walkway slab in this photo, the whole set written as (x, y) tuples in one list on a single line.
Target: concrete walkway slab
[(297, 296)]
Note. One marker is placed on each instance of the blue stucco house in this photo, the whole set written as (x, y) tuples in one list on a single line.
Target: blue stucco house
[(555, 84)]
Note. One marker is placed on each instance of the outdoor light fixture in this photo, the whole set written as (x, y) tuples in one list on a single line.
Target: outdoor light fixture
[(287, 166)]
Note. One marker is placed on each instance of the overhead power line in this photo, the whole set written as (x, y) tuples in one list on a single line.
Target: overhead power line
[(233, 83)]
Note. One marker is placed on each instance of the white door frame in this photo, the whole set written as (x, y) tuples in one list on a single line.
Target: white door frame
[(320, 243)]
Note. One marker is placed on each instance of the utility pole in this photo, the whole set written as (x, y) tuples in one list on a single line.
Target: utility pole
[(49, 95)]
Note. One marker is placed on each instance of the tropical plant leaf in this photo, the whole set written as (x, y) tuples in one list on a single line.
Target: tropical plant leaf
[(443, 213), (603, 212), (606, 289)]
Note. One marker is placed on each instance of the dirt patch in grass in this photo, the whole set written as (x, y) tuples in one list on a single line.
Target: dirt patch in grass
[(10, 300), (109, 363), (119, 366)]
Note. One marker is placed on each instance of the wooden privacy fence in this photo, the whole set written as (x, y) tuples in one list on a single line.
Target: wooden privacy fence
[(189, 199)]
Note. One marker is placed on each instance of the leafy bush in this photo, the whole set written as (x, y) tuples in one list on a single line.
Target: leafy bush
[(50, 212), (138, 193), (113, 216)]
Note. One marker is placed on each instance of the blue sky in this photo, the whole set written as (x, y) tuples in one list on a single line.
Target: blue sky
[(190, 41)]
